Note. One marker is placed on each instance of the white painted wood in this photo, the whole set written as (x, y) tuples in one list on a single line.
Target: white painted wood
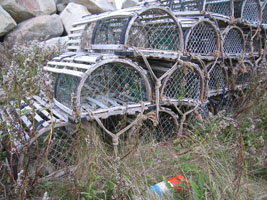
[(73, 65), (64, 71)]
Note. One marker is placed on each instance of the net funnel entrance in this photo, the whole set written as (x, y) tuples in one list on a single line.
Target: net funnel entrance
[(233, 41), (203, 39), (249, 11), (185, 84)]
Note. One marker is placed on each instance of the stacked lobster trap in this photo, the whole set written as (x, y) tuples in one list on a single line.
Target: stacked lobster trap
[(155, 66)]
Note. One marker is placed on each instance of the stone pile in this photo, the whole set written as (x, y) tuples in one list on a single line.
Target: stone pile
[(26, 20)]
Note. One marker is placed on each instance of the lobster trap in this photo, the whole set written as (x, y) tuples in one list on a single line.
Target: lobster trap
[(92, 85), (249, 11), (233, 41), (154, 30), (202, 39)]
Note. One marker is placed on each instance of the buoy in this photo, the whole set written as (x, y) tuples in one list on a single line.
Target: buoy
[(161, 188)]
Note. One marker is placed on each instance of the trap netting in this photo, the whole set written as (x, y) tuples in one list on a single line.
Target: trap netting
[(264, 16), (253, 43), (156, 29), (243, 74), (184, 84), (233, 41), (248, 10), (222, 7), (217, 79), (110, 31), (152, 129), (113, 84), (203, 39), (53, 154)]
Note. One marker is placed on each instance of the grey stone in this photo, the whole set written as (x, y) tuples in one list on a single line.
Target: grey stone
[(72, 13), (7, 23), (38, 28), (60, 42), (129, 3), (61, 7), (95, 6), (16, 9)]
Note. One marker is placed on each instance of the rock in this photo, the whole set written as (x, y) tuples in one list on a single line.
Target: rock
[(129, 3), (72, 13), (16, 9), (61, 7), (40, 7), (7, 23), (95, 6), (38, 28), (60, 42), (21, 10)]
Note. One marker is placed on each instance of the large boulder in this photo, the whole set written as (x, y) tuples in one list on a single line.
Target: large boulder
[(40, 7), (58, 42), (7, 23), (72, 13), (16, 9), (21, 10), (129, 3), (95, 6), (38, 28)]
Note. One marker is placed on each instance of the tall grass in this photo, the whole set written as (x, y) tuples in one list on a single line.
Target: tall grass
[(222, 158)]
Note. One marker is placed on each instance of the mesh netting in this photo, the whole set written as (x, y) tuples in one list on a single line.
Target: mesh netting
[(65, 86), (264, 15), (113, 84), (251, 11), (217, 77), (182, 83), (87, 34), (182, 5), (110, 31), (155, 29), (233, 42), (243, 74), (61, 150), (256, 43), (167, 127), (218, 6), (202, 39)]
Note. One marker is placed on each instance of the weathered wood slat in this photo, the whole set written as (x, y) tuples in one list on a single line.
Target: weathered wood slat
[(117, 14), (64, 71), (107, 46), (78, 28), (55, 112), (66, 64)]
